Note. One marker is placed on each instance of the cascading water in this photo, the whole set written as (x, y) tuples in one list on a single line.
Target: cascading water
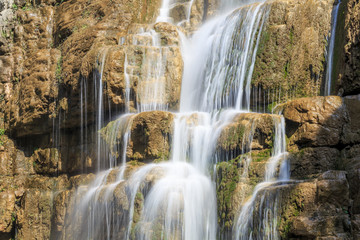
[(177, 199), (259, 215), (170, 5), (220, 75), (330, 54)]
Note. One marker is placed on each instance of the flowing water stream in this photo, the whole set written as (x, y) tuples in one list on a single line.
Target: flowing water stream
[(177, 199), (330, 54)]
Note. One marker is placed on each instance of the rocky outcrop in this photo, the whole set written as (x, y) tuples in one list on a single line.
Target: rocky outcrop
[(253, 127), (150, 136), (62, 41), (317, 209), (323, 136), (315, 121), (244, 147), (349, 47), (291, 53)]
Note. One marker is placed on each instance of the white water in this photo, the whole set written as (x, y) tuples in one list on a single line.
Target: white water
[(178, 198), (149, 73), (219, 75), (330, 59), (168, 5)]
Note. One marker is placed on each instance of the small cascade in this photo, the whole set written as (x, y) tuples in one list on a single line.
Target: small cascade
[(83, 119), (164, 15), (99, 103), (259, 215), (176, 12), (148, 73), (330, 53)]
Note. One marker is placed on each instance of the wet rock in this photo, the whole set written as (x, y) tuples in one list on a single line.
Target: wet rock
[(257, 128), (354, 191), (350, 78), (47, 161), (351, 131), (150, 136), (290, 58), (318, 209), (61, 206), (35, 211), (7, 157), (81, 179), (350, 157), (313, 161), (315, 122)]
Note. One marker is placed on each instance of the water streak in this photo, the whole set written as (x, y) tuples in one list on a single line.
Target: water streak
[(330, 58)]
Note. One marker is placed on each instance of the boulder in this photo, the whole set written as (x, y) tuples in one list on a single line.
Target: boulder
[(315, 122), (150, 135), (309, 162), (245, 127)]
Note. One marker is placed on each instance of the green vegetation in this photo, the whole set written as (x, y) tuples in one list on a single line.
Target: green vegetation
[(271, 107), (58, 72), (292, 207), (2, 133), (27, 6), (286, 69), (13, 216), (228, 177), (15, 7)]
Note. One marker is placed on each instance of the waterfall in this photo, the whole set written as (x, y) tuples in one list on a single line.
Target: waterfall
[(330, 54), (177, 199)]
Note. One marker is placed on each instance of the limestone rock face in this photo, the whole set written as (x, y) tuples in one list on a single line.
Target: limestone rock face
[(291, 51), (313, 161), (150, 136), (315, 121), (322, 121), (350, 81), (7, 206), (45, 56), (331, 145), (351, 131), (234, 137), (317, 209)]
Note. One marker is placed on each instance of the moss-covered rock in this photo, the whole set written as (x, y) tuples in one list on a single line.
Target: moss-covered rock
[(291, 54), (248, 131)]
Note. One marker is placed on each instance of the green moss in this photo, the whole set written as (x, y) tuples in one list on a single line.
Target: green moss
[(260, 156), (138, 207), (234, 136), (292, 208), (2, 133), (58, 71), (227, 179), (286, 69), (271, 107)]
